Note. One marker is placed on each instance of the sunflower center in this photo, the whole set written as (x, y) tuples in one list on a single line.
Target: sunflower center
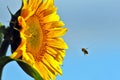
[(34, 36)]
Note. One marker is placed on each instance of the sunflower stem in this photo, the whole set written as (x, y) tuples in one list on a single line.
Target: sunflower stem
[(1, 70), (4, 42), (4, 47)]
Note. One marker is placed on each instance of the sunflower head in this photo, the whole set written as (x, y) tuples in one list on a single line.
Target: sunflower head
[(42, 45)]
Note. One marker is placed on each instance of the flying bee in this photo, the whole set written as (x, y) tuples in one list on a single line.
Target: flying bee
[(84, 50)]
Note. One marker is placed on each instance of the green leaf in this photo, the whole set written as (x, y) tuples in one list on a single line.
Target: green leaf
[(26, 67), (2, 28), (1, 38), (1, 32), (30, 70), (0, 24)]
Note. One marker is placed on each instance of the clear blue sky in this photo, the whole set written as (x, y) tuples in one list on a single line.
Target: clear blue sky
[(93, 24)]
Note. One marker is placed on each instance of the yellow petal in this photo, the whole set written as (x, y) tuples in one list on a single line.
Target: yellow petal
[(58, 43), (51, 25), (53, 63), (56, 32), (50, 18)]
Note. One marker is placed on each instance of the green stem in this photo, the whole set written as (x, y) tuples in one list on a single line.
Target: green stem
[(1, 73), (4, 47), (5, 42), (3, 62)]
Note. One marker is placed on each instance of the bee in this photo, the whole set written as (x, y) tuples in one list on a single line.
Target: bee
[(84, 50)]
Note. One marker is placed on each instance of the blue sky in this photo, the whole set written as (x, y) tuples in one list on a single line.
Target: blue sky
[(93, 24)]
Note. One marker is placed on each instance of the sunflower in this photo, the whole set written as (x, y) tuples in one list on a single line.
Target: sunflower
[(41, 31)]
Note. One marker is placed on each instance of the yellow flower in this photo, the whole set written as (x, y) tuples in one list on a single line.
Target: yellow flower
[(41, 43)]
